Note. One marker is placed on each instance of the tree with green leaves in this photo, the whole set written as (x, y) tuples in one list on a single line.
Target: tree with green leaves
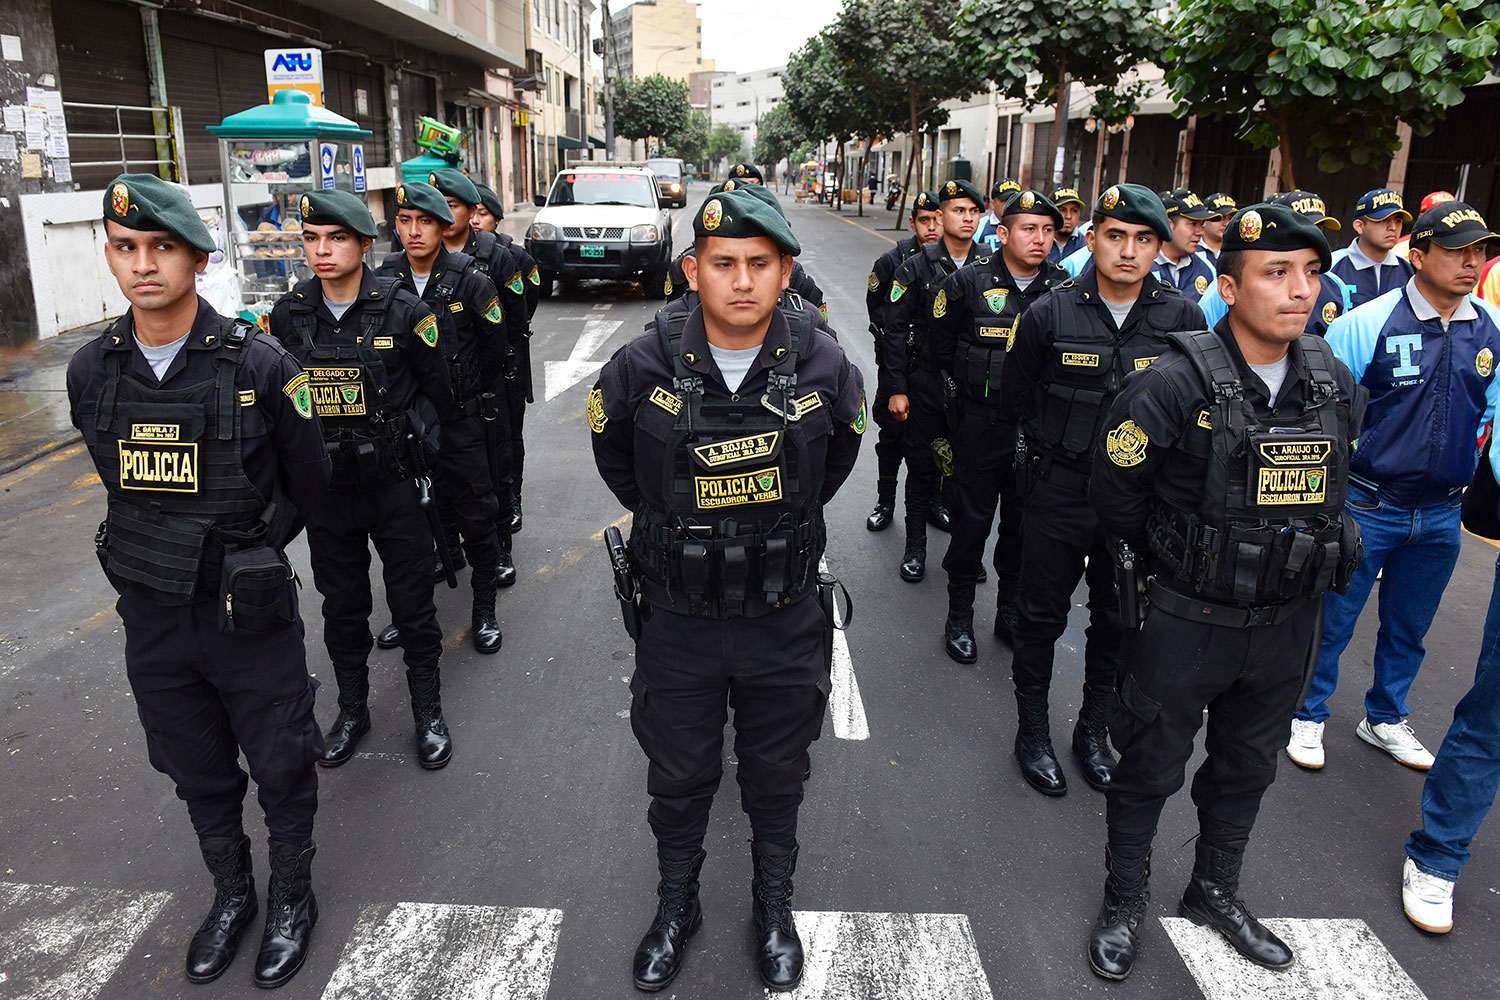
[(650, 106), (724, 142), (818, 94), (777, 133), (1034, 51), (692, 142), (1333, 78)]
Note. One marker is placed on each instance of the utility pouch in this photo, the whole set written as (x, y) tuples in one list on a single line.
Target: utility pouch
[(158, 551), (253, 584)]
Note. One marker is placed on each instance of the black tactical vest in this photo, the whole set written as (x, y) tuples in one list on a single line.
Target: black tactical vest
[(170, 460), (463, 368), (743, 533), (351, 391), (1086, 369), (979, 358), (934, 267), (1270, 528)]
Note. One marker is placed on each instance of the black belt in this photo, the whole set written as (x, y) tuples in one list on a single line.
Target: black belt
[(1194, 609), (1062, 476)]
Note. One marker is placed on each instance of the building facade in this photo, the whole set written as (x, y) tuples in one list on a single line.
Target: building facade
[(657, 36), (567, 122)]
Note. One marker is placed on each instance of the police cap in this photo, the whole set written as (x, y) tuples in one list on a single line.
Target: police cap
[(1005, 186), (1181, 203), (490, 200), (1273, 226), (1310, 205), (925, 202), (453, 184), (149, 204), (1452, 225), (1031, 203), (1135, 205), (747, 170), (1066, 196), (740, 215), (959, 189), (426, 199), (1221, 203), (337, 208), (1380, 204)]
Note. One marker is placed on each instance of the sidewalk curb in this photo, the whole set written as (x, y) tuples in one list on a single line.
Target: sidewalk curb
[(12, 463)]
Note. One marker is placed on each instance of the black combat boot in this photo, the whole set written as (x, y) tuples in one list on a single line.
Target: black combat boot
[(1006, 613), (515, 514), (1091, 738), (486, 629), (505, 569), (658, 958), (291, 914), (958, 630), (778, 949), (1126, 895), (213, 946), (914, 559), (388, 637), (939, 516), (1212, 900), (434, 745), (353, 721), (885, 504), (1034, 746)]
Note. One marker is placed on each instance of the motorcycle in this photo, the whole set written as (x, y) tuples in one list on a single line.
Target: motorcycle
[(892, 194)]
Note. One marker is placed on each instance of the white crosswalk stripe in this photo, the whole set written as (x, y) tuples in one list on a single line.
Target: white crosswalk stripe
[(844, 702), (1336, 960), (65, 943), (913, 956), (415, 951)]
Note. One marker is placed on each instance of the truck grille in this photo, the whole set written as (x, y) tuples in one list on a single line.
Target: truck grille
[(592, 233)]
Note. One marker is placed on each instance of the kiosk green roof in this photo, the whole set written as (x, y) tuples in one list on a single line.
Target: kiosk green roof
[(290, 115)]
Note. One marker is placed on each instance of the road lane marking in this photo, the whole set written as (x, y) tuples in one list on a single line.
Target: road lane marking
[(563, 375), (407, 951), (913, 956), (32, 468), (1336, 960), (844, 702), (65, 943), (867, 229)]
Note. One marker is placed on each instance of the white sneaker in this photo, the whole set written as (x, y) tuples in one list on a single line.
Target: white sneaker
[(1306, 746), (1396, 739), (1427, 899)]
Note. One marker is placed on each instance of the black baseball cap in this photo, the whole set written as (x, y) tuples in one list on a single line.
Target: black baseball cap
[(1310, 205), (1452, 225), (1222, 204), (1183, 204), (1273, 226), (1380, 204), (1066, 196), (1005, 186)]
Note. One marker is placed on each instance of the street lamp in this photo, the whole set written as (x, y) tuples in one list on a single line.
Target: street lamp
[(666, 52)]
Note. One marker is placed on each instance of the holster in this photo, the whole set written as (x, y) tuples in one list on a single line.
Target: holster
[(1130, 586), (951, 405)]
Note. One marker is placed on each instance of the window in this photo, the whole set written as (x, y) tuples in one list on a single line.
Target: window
[(742, 104), (718, 107)]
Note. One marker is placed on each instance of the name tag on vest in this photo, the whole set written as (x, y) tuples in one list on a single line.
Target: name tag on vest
[(1078, 360), (337, 392), (1292, 473)]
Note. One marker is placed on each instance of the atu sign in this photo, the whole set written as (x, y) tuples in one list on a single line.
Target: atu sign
[(295, 69)]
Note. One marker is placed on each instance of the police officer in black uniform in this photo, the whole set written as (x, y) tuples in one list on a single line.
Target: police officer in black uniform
[(1071, 355), (374, 372), (211, 457), (1222, 470), (974, 318), (917, 398), (725, 430), (479, 357), (925, 228)]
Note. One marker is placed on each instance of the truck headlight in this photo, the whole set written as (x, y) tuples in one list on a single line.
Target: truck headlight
[(676, 187), (644, 234), (542, 231)]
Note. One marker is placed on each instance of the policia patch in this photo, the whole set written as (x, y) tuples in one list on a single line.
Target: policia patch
[(1126, 444), (762, 486), (154, 459), (337, 392)]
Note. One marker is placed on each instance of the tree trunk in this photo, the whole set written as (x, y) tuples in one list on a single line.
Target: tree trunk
[(1099, 151), (1060, 123), (864, 168), (1124, 157), (911, 142), (1284, 143)]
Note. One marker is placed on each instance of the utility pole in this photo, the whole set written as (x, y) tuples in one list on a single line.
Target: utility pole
[(609, 86)]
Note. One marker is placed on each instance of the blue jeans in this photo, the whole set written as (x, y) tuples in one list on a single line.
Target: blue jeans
[(1417, 548), (1461, 785)]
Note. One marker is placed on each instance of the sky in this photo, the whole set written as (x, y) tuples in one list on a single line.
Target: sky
[(744, 35)]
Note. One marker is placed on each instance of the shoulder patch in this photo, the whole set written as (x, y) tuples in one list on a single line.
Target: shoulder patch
[(1126, 444), (897, 290), (666, 400), (514, 284), (666, 288), (301, 396), (940, 305), (597, 419), (534, 277), (247, 397), (858, 423), (1330, 312), (1201, 284), (874, 281), (427, 330), (492, 311)]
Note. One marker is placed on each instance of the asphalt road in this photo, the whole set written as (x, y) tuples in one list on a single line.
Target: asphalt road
[(525, 869)]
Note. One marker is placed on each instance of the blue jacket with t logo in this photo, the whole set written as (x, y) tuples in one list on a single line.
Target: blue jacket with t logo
[(1431, 392)]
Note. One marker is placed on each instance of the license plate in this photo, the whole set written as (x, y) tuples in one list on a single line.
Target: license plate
[(591, 251)]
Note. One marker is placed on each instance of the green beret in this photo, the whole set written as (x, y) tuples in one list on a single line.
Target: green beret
[(149, 204), (1275, 227), (337, 208), (490, 200), (1136, 205), (1031, 203), (1066, 196), (747, 170), (960, 189), (426, 199), (926, 202), (453, 184), (739, 215), (765, 194)]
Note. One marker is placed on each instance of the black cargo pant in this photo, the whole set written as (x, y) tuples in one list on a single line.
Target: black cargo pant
[(984, 452), (518, 393), (465, 492), (1062, 531), (339, 533), (1248, 678), (888, 442), (205, 697), (926, 420), (688, 673)]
